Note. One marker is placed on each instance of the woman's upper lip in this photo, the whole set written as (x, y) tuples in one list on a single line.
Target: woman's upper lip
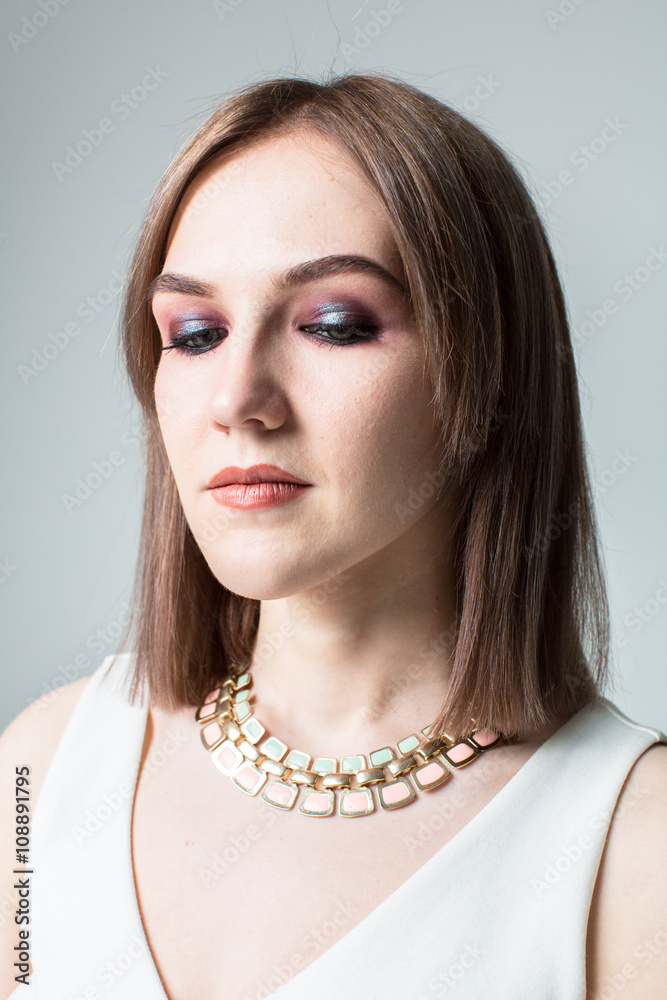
[(255, 474)]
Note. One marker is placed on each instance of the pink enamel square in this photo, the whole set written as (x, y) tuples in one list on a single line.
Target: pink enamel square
[(213, 696), (460, 752), (485, 736), (395, 793), (227, 756), (248, 778), (354, 802), (208, 711), (317, 802), (211, 733), (280, 795), (430, 773)]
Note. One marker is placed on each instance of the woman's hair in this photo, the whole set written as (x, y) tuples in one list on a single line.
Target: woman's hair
[(531, 632)]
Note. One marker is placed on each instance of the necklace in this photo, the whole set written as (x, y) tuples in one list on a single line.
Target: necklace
[(255, 762)]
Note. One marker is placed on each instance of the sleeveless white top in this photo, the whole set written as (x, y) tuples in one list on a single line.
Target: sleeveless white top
[(500, 911)]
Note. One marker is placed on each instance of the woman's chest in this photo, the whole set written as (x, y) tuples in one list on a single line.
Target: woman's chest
[(236, 895)]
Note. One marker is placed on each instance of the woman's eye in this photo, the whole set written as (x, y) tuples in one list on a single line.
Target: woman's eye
[(197, 341), (341, 333)]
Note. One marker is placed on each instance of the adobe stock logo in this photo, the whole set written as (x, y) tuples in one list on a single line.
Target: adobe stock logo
[(581, 158), (641, 614), (565, 9), (58, 340), (486, 86), (122, 107), (625, 288), (31, 26), (221, 7), (365, 33)]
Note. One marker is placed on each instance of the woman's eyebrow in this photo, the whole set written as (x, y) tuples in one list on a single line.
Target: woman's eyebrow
[(300, 274), (181, 283), (336, 264)]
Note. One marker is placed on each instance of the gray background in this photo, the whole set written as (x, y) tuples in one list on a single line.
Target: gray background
[(541, 77)]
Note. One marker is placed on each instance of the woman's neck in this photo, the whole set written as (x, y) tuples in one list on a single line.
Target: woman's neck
[(360, 660)]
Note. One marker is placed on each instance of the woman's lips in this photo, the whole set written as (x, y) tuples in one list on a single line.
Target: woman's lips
[(252, 496), (261, 485)]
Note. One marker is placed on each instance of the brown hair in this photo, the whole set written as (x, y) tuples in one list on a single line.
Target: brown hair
[(532, 632)]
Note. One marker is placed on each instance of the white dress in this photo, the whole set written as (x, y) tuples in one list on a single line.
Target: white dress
[(500, 911)]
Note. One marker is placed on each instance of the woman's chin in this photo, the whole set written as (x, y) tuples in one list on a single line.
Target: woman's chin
[(260, 585)]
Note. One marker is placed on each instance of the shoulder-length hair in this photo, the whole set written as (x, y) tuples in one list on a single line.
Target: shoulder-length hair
[(531, 636)]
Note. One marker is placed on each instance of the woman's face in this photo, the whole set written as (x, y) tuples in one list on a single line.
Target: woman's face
[(315, 370)]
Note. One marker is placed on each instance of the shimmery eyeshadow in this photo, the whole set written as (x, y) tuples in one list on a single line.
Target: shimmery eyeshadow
[(337, 313)]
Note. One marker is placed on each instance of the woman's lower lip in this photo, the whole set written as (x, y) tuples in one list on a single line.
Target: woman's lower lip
[(251, 496)]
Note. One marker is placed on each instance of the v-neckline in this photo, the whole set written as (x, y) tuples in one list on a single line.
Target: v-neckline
[(514, 784)]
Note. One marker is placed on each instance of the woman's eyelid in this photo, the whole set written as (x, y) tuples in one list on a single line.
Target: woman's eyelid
[(306, 306), (170, 310), (188, 326)]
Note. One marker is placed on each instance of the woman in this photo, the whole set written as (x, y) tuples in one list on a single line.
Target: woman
[(368, 534)]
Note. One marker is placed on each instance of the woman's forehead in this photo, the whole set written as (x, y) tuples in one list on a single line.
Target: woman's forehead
[(291, 195), (284, 162)]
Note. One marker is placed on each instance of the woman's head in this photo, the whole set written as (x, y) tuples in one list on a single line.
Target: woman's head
[(469, 393)]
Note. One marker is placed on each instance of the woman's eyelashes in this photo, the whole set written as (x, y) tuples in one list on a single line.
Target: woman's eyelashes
[(341, 334), (333, 327), (186, 343), (337, 326)]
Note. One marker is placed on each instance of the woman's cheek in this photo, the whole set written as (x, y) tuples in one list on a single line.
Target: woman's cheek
[(180, 409)]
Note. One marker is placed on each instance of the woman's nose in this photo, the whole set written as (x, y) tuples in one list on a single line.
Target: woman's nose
[(247, 378)]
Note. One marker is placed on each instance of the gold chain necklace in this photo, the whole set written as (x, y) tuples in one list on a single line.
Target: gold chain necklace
[(232, 734)]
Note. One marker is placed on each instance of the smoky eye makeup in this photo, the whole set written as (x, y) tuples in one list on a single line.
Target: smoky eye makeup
[(337, 307), (336, 320), (334, 311), (179, 325), (341, 323), (337, 311)]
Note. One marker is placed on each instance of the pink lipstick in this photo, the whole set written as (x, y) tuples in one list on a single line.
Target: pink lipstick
[(258, 487)]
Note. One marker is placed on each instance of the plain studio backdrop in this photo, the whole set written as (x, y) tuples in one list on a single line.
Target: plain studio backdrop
[(103, 94)]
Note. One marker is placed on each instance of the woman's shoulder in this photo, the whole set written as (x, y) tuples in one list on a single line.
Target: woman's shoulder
[(627, 940), (32, 737)]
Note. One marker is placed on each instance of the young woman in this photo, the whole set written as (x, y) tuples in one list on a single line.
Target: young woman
[(359, 747)]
